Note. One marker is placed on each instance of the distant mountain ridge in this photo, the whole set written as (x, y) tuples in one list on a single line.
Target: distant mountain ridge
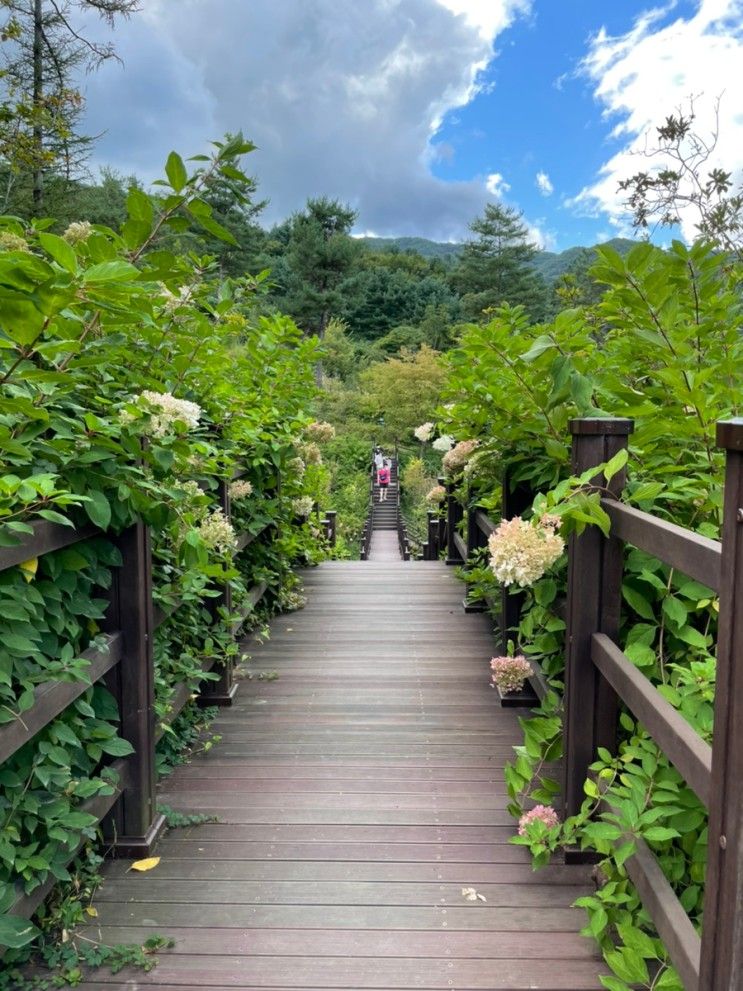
[(550, 264)]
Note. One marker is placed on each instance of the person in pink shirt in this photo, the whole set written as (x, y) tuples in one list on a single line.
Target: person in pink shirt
[(383, 480)]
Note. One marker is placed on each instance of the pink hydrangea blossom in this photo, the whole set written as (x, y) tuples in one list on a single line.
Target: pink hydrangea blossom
[(455, 460), (540, 813), (510, 673)]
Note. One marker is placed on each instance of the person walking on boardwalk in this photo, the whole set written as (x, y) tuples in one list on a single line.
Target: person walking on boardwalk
[(378, 458), (383, 480)]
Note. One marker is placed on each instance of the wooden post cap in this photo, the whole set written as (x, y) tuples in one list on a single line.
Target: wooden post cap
[(730, 434), (609, 425)]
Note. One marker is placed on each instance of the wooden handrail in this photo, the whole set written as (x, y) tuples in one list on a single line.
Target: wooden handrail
[(53, 697), (598, 674), (683, 746), (46, 537), (674, 926), (692, 554)]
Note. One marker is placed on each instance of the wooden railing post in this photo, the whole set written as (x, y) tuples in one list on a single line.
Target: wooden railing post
[(454, 516), (441, 543), (332, 515), (593, 606), (722, 932), (221, 691), (515, 500), (432, 544), (136, 825), (475, 540)]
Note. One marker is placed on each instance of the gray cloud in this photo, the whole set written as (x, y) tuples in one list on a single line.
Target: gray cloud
[(341, 99)]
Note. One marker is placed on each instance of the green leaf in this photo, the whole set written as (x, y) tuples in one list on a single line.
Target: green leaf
[(660, 834), (117, 747), (541, 344), (615, 464), (691, 636), (16, 932), (637, 602), (60, 251), (211, 225), (175, 170), (113, 271), (674, 610), (98, 509), (18, 644)]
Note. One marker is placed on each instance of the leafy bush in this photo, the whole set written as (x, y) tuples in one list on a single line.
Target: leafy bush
[(663, 347)]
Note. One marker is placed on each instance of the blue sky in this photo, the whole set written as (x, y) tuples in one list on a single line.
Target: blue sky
[(537, 113), (417, 112)]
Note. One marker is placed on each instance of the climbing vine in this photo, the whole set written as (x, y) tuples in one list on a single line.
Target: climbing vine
[(135, 381)]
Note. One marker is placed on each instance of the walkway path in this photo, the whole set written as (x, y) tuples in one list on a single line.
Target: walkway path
[(384, 546), (357, 794)]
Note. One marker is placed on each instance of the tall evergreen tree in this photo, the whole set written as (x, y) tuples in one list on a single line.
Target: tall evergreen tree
[(319, 255), (44, 53), (495, 266)]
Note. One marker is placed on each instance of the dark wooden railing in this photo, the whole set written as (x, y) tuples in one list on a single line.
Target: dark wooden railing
[(599, 678), (123, 656), (366, 533), (403, 538)]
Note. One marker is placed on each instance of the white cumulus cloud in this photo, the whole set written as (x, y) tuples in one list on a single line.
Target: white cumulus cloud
[(544, 184), (342, 99), (496, 185), (654, 70)]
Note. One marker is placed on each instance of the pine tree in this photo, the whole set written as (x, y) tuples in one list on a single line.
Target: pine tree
[(495, 267), (319, 255)]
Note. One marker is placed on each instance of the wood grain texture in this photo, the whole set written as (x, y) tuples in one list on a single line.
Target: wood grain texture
[(358, 794)]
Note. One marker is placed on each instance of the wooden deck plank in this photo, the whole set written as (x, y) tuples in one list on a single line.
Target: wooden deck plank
[(357, 794), (363, 943)]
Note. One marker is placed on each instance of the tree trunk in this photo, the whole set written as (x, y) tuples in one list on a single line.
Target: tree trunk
[(38, 101)]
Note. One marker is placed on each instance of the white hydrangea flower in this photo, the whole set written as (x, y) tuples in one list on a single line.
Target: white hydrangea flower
[(240, 489), (443, 443), (310, 454), (458, 456), (216, 531), (165, 411), (13, 242), (424, 432), (303, 506), (521, 551), (320, 431)]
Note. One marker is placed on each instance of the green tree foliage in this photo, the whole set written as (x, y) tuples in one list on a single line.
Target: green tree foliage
[(44, 54), (495, 266), (319, 253), (680, 184), (402, 392), (389, 290)]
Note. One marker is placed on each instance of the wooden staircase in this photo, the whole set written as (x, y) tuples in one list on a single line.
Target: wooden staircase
[(384, 514)]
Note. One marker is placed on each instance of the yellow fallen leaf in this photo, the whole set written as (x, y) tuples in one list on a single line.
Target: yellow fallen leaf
[(92, 912), (29, 568), (145, 865)]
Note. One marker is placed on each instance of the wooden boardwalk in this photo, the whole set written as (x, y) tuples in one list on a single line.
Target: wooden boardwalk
[(357, 795)]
